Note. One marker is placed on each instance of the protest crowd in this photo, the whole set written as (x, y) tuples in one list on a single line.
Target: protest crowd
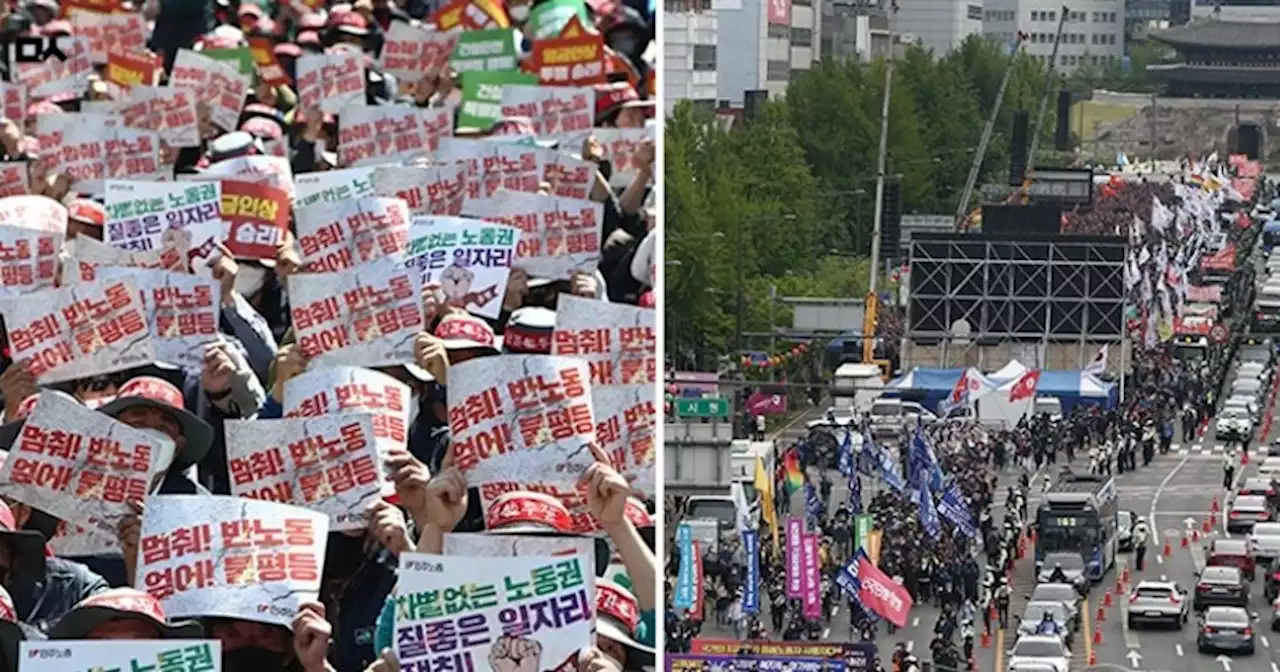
[(974, 475), (328, 336)]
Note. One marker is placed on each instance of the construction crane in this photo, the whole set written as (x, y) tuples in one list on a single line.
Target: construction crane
[(872, 302)]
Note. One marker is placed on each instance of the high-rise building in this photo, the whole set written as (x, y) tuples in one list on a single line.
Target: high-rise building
[(1093, 34), (1237, 10), (688, 52), (762, 42), (854, 30), (938, 25)]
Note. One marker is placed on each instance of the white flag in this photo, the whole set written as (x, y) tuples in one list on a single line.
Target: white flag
[(1099, 363)]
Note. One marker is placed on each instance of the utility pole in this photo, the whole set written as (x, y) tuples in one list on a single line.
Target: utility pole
[(1044, 98), (871, 305), (962, 212)]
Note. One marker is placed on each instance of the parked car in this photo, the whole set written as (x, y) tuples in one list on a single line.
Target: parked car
[(1221, 586), (1226, 629), (1158, 602), (1044, 649)]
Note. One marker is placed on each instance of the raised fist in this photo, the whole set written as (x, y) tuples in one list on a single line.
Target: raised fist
[(512, 654)]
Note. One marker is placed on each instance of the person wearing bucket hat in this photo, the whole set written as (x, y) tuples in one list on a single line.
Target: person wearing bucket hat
[(85, 217), (43, 587), (465, 336), (619, 106), (122, 613), (529, 331), (12, 633), (617, 619)]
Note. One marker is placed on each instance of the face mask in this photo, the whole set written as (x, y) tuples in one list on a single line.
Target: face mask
[(166, 444), (519, 13), (252, 658), (415, 405), (249, 280)]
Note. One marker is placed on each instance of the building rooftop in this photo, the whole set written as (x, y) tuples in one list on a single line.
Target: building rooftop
[(1217, 33)]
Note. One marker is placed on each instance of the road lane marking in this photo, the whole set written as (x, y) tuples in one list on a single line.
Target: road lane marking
[(1178, 649), (915, 622), (911, 644), (1266, 642), (1155, 500), (1130, 637), (826, 633)]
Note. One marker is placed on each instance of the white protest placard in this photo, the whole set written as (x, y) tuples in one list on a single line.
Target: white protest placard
[(560, 236), (208, 556), (92, 155), (50, 129), (80, 465), (345, 234), (328, 464), (183, 311), (343, 389), (617, 340), (85, 255), (330, 81), (13, 99), (363, 316), (569, 176), (527, 612), (411, 52), (74, 541), (509, 545), (427, 190), (553, 110), (170, 112), (54, 76), (126, 32), (625, 420), (493, 166), (15, 178), (138, 213), (469, 258), (79, 332), (332, 186), (621, 147), (521, 422), (373, 134), (34, 212), (215, 82), (28, 259), (107, 655), (273, 171)]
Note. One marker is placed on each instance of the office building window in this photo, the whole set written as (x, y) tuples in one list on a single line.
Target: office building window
[(778, 71), (704, 57), (801, 37), (780, 32), (1035, 16), (975, 11), (1053, 16), (1113, 17)]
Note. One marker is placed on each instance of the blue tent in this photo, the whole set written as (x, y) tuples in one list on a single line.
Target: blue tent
[(930, 386), (925, 385)]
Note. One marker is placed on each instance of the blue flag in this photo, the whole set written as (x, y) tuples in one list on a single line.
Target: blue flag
[(888, 470), (855, 493), (812, 503), (751, 590), (953, 507), (928, 514), (922, 464), (844, 461), (684, 577)]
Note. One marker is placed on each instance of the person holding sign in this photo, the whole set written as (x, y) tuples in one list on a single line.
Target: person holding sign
[(43, 588), (12, 633), (122, 613)]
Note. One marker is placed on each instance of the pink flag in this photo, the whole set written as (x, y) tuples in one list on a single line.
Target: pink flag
[(880, 594), (795, 563), (811, 583)]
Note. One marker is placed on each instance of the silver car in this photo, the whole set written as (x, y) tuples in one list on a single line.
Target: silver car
[(1040, 650), (1034, 614), (1072, 568), (1059, 592), (1226, 629), (1158, 602), (1265, 540)]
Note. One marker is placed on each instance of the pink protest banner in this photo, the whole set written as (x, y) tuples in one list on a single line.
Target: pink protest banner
[(760, 403), (560, 236), (14, 99), (881, 594), (217, 83), (55, 76), (125, 32), (617, 341), (521, 422), (170, 112), (810, 583), (80, 465), (795, 564), (348, 233), (15, 178), (328, 464), (330, 81), (81, 331), (411, 53), (553, 110), (435, 190), (363, 316), (372, 134)]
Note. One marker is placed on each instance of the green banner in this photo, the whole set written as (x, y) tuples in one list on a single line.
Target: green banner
[(549, 18), (240, 57), (482, 96), (862, 526), (485, 51)]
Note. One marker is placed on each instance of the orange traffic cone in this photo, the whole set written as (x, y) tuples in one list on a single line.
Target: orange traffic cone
[(1093, 658), (1022, 548), (1184, 541), (1102, 615), (1244, 457), (1195, 535), (1124, 577), (1213, 520), (1206, 526), (1214, 506), (1106, 600), (1167, 550), (986, 639), (1119, 586), (1097, 636)]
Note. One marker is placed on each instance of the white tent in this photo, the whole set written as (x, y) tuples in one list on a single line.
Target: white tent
[(1011, 371)]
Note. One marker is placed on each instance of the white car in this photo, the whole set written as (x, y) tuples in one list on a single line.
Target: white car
[(1269, 466), (1264, 539), (1158, 602), (1247, 404), (1039, 650), (1254, 371), (1233, 422)]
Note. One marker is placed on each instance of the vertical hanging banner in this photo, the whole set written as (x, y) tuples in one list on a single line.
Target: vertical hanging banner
[(795, 565), (684, 575), (751, 589), (811, 583)]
